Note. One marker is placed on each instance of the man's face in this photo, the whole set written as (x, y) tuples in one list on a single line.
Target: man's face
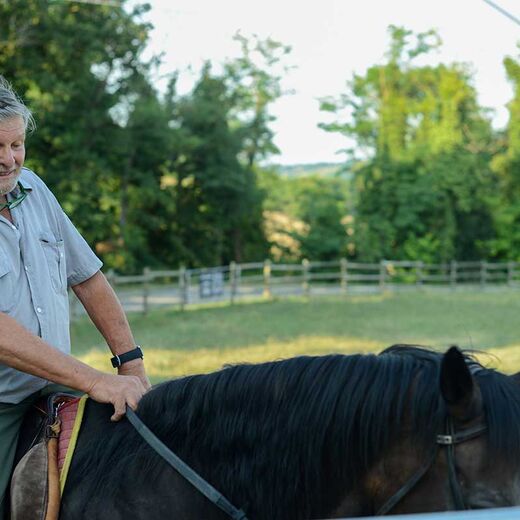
[(12, 152)]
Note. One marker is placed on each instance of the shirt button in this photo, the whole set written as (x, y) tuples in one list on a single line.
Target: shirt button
[(26, 267), (39, 309), (13, 227)]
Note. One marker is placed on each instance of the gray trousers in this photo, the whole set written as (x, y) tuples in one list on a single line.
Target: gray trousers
[(11, 418)]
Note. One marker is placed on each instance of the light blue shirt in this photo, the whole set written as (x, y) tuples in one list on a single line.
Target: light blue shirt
[(41, 255)]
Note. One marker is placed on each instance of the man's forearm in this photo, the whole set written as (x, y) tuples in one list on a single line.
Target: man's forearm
[(105, 310), (108, 316), (28, 353)]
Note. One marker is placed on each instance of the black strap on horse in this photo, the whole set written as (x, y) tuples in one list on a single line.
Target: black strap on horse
[(449, 440), (183, 469)]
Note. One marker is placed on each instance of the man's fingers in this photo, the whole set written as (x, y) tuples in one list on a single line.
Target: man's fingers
[(119, 412), (119, 390), (130, 398), (132, 403)]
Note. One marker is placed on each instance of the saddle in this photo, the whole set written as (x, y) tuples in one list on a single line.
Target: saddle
[(43, 455)]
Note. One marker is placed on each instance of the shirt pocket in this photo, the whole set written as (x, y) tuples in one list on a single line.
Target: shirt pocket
[(54, 251), (6, 283)]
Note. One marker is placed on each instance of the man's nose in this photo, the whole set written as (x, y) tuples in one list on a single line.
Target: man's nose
[(7, 159)]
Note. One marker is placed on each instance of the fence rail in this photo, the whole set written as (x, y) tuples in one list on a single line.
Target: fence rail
[(235, 281)]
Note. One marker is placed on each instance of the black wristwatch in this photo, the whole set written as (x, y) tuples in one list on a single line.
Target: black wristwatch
[(136, 353)]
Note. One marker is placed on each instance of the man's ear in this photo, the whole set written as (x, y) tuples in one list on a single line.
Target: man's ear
[(458, 389)]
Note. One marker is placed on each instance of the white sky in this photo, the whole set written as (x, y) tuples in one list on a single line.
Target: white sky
[(330, 40)]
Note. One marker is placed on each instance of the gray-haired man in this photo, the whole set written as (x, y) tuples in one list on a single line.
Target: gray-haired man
[(41, 255)]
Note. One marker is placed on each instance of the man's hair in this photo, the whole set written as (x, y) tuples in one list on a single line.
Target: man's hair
[(12, 106)]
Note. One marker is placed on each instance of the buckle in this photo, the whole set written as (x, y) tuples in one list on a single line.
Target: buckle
[(445, 440), (52, 431)]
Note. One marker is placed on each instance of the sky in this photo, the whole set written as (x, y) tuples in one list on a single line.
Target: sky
[(331, 40)]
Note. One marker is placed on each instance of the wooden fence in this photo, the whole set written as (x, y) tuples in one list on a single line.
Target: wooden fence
[(232, 282)]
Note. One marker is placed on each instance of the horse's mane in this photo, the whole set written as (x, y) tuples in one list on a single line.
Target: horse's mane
[(268, 430)]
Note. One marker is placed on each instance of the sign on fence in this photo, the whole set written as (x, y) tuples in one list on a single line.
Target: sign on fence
[(211, 284)]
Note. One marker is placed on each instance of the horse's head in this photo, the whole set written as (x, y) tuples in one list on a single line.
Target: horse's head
[(473, 462)]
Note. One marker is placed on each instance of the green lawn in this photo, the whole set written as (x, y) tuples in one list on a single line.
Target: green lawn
[(203, 339)]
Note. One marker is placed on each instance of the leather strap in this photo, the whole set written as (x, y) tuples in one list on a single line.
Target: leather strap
[(408, 486), (53, 489), (183, 469), (447, 441), (118, 360), (458, 437)]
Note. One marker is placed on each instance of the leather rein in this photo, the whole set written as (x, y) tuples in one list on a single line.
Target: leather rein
[(448, 441), (184, 470)]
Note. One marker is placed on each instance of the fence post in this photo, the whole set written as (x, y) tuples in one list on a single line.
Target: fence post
[(305, 277), (182, 286), (146, 289), (232, 281), (453, 274), (382, 275), (188, 285), (510, 273), (267, 279), (343, 268), (483, 273), (419, 273)]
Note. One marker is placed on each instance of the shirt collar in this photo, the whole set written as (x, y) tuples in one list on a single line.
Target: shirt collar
[(24, 181), (27, 186)]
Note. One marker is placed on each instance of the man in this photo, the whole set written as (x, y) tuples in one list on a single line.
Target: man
[(41, 254)]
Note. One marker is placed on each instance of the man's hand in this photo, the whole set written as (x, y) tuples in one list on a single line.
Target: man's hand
[(135, 368), (118, 390)]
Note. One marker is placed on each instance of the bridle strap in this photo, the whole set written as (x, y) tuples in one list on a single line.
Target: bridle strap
[(408, 486), (456, 491), (184, 470), (448, 440), (458, 437)]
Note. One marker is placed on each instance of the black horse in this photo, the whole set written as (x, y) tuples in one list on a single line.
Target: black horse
[(408, 430)]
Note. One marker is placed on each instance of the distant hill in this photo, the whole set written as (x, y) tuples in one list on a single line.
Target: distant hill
[(294, 171)]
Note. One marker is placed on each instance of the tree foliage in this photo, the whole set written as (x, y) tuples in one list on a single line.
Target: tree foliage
[(149, 178), (423, 179), (161, 179)]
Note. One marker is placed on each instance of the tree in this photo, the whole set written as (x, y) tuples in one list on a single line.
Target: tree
[(79, 93), (423, 180), (306, 216), (254, 83), (506, 164), (322, 207)]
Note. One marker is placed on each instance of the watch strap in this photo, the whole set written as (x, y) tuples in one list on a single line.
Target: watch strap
[(118, 360)]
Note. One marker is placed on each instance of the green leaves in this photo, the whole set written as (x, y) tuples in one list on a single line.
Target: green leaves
[(425, 181), (149, 179)]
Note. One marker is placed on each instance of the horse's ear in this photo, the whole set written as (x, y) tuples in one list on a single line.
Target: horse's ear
[(457, 386)]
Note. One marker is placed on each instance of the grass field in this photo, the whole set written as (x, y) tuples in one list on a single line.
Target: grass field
[(203, 339)]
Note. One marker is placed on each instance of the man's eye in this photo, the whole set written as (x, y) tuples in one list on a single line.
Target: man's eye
[(18, 145)]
